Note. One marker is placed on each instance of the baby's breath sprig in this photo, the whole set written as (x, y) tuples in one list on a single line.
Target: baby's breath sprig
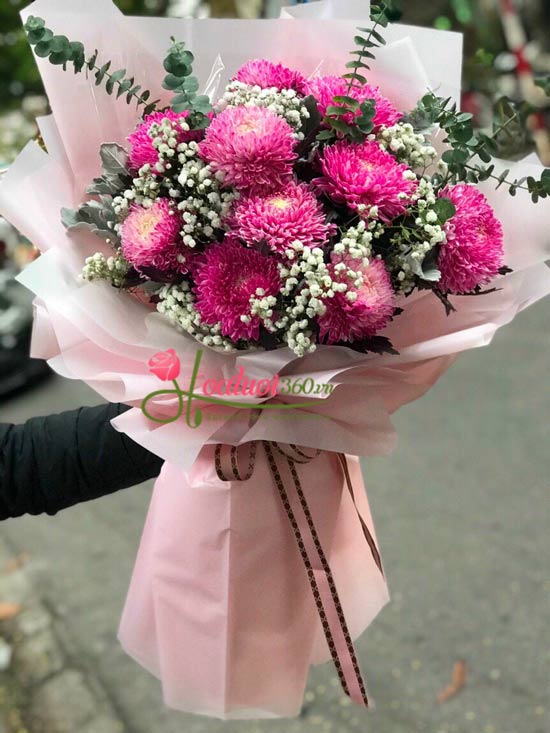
[(60, 51), (180, 80)]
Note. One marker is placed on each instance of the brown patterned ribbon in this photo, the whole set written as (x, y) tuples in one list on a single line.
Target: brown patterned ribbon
[(282, 460)]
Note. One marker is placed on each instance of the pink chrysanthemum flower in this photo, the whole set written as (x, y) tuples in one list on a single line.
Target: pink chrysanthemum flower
[(151, 238), (474, 252), (325, 88), (142, 151), (364, 175), (228, 277), (252, 147), (348, 320), (267, 75), (280, 218)]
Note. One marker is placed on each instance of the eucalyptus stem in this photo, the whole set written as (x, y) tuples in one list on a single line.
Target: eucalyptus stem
[(372, 33), (60, 51)]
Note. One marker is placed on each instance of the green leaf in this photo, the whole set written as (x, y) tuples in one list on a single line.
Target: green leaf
[(150, 108), (357, 77), (43, 49), (34, 23), (124, 86), (172, 82), (202, 104), (118, 75), (333, 111), (445, 209), (133, 93), (325, 135), (78, 56), (177, 67), (191, 84), (380, 38), (60, 44), (339, 125), (92, 60), (344, 101), (38, 35), (502, 177), (58, 59)]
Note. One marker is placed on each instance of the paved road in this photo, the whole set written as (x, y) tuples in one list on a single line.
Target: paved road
[(463, 515)]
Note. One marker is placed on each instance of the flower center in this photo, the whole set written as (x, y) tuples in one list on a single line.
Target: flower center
[(247, 126), (147, 224), (366, 165), (279, 202)]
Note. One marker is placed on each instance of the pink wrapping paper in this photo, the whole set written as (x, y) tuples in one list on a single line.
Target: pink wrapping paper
[(219, 607)]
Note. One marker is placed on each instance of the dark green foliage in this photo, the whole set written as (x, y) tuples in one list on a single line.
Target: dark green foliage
[(180, 80), (18, 73), (60, 51), (357, 126), (471, 152)]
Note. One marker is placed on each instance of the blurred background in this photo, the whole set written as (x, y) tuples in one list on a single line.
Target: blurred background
[(462, 519)]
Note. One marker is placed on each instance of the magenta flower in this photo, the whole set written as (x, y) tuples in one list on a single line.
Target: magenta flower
[(142, 151), (348, 320), (151, 238), (325, 88), (252, 147), (165, 365), (281, 218), (474, 252), (229, 276), (364, 175), (267, 75)]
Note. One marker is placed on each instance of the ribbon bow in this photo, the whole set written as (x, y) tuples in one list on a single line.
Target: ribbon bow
[(237, 464)]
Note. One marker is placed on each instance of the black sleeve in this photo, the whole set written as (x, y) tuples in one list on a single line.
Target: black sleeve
[(54, 462)]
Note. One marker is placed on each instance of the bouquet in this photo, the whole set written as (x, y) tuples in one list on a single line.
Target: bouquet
[(295, 252)]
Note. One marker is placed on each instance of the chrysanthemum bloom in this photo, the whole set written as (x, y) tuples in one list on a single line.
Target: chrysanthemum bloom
[(228, 277), (281, 218), (252, 147), (267, 75), (361, 312), (474, 252), (142, 151), (151, 238), (325, 88), (363, 175)]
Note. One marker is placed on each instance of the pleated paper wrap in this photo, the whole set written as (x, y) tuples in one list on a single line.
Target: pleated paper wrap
[(220, 607)]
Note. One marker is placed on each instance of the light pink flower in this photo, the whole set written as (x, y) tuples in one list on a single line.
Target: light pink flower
[(151, 238), (365, 175), (229, 275), (142, 151), (325, 88), (281, 218), (474, 251), (165, 365), (348, 321), (252, 146), (267, 75)]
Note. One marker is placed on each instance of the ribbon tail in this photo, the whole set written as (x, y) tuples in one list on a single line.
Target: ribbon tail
[(366, 531), (327, 601)]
